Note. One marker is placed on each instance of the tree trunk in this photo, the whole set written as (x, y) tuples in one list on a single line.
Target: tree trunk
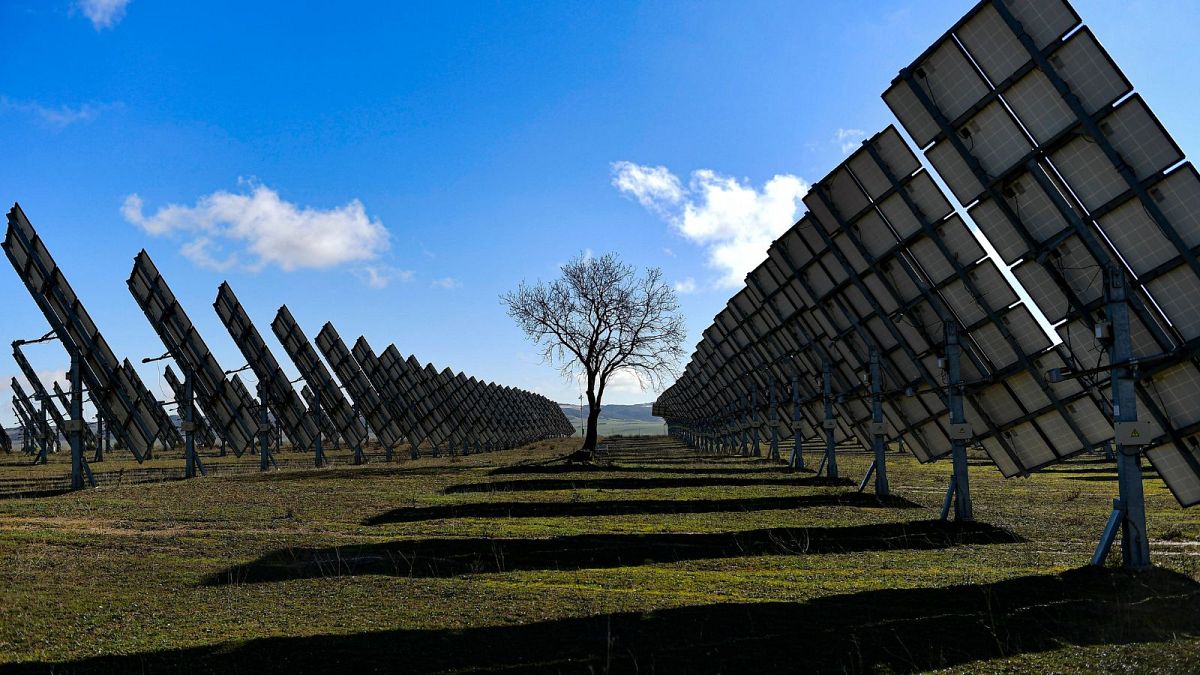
[(589, 441)]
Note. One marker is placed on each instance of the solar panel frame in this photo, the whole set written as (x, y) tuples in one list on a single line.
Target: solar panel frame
[(205, 436), (170, 321), (282, 398), (113, 394), (1104, 126), (298, 348), (369, 403)]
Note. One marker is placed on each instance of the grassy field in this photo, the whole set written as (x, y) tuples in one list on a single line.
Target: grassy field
[(658, 560)]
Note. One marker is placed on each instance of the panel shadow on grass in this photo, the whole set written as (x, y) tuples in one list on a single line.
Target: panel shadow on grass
[(553, 469), (640, 483), (625, 507), (452, 557), (908, 630)]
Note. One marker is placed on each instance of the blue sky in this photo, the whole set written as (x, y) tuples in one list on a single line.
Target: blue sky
[(447, 151)]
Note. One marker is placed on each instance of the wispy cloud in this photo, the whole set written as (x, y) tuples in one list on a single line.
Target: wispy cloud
[(849, 139), (103, 13), (686, 286), (55, 117), (733, 220), (448, 283), (380, 276), (669, 253), (654, 187), (256, 229)]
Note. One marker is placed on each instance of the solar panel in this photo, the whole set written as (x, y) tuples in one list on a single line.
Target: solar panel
[(233, 420), (168, 434), (39, 393), (204, 433), (328, 428), (387, 386), (322, 384), (379, 418), (281, 395), (113, 394), (33, 417), (1094, 181)]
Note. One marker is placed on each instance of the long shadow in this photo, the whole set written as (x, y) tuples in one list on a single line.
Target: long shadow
[(345, 471), (634, 507), (554, 469), (452, 557), (35, 494), (639, 483), (901, 631), (1082, 470)]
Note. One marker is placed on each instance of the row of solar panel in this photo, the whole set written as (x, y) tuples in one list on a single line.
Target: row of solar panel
[(398, 399), (882, 261)]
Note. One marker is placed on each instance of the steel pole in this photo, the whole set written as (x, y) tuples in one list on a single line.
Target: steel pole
[(1130, 507), (963, 510), (877, 438), (830, 439), (76, 429)]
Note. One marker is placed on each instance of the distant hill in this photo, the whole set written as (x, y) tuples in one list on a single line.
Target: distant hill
[(627, 420)]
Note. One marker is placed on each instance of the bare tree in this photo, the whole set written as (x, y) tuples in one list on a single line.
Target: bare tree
[(599, 319)]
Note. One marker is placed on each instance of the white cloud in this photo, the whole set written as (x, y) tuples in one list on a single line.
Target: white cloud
[(254, 230), (686, 286), (103, 13), (56, 117), (732, 219), (379, 276), (623, 381), (448, 283), (669, 253), (654, 187), (849, 139)]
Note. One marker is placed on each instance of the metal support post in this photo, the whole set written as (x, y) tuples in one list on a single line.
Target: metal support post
[(318, 449), (191, 460), (774, 420), (959, 432), (755, 448), (830, 460), (264, 428), (43, 456), (79, 467), (796, 461), (101, 437), (1129, 509), (877, 427)]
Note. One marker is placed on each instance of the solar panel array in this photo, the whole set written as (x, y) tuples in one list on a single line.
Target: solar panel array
[(113, 394), (227, 408), (31, 418), (168, 434), (378, 416), (324, 388), (39, 393), (1062, 166), (1034, 131), (282, 398), (204, 433), (328, 429), (441, 408), (419, 406)]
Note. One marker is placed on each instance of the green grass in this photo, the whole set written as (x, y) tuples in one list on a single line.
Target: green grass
[(696, 564)]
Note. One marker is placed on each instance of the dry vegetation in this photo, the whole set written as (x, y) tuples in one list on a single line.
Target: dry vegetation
[(657, 560)]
